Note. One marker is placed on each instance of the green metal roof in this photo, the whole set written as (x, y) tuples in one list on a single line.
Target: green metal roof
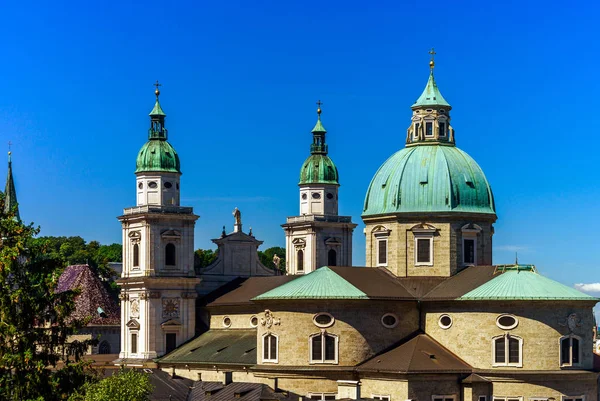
[(157, 155), (319, 127), (429, 178), (431, 95), (157, 110), (322, 283), (319, 169), (224, 346), (523, 282)]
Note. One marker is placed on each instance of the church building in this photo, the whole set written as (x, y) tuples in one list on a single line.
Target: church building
[(429, 318)]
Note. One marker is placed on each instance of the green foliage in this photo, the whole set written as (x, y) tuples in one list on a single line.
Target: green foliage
[(266, 257), (126, 385), (35, 320), (204, 257)]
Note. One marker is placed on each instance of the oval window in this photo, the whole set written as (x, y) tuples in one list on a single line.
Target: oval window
[(445, 322), (140, 185), (226, 321), (323, 320), (507, 322), (304, 196), (168, 185), (316, 195), (152, 184), (253, 321), (329, 196), (389, 320)]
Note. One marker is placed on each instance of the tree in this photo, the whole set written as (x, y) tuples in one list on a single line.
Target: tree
[(36, 360), (266, 257), (204, 257), (126, 385)]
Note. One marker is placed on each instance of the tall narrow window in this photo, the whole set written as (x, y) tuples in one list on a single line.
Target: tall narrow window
[(332, 258), (442, 129), (429, 129), (300, 260), (570, 351), (136, 255), (323, 348), (469, 251), (171, 340), (424, 251), (416, 133), (134, 343), (270, 348), (170, 258), (382, 252), (508, 350)]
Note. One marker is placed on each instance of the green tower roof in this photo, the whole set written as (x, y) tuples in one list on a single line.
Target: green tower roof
[(157, 155), (429, 178), (322, 283), (523, 282), (431, 95), (318, 168), (10, 193)]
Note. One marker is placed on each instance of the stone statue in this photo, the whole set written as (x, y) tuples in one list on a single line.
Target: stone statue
[(237, 215), (276, 260)]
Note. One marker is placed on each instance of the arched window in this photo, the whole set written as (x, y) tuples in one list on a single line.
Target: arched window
[(332, 258), (300, 261), (508, 350), (570, 351), (104, 347), (136, 255), (170, 255), (270, 348), (323, 348)]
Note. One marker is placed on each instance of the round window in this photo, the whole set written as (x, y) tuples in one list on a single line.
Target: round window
[(152, 184), (253, 321), (507, 322), (226, 321), (168, 185), (323, 320), (445, 322), (329, 196), (389, 320), (304, 196), (140, 185), (316, 195)]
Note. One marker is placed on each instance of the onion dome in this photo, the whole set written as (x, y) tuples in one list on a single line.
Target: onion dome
[(157, 155), (318, 168), (431, 174)]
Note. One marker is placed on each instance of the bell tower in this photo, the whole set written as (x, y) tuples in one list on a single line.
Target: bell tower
[(158, 280), (318, 236)]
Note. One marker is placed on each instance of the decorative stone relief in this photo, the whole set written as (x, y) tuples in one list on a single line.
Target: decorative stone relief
[(170, 307), (573, 321), (269, 320), (134, 308), (123, 296)]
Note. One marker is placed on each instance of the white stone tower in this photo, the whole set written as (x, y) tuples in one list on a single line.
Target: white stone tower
[(318, 237), (158, 282)]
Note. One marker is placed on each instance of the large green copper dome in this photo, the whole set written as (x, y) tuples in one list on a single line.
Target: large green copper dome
[(157, 156), (319, 169), (429, 178)]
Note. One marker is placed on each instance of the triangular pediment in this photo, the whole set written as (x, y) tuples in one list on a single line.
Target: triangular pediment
[(133, 324), (171, 234), (171, 323)]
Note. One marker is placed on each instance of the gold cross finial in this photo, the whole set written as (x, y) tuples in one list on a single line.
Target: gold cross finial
[(157, 91), (432, 62), (319, 103)]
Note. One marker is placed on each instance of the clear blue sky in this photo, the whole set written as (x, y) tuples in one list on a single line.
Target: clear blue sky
[(240, 82)]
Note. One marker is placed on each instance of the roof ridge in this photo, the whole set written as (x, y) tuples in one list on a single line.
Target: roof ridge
[(395, 345)]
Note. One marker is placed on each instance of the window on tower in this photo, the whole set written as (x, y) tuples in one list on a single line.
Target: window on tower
[(300, 261), (424, 250), (332, 258), (170, 257), (136, 255), (382, 252), (134, 343), (570, 352), (442, 129), (429, 128)]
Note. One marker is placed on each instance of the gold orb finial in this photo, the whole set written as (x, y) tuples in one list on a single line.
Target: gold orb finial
[(157, 91), (432, 61), (319, 103)]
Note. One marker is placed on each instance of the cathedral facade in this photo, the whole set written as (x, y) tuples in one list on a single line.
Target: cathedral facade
[(428, 318)]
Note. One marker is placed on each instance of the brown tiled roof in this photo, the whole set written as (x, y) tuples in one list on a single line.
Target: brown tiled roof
[(375, 282), (215, 391), (420, 354), (420, 286), (251, 288), (461, 283), (475, 378)]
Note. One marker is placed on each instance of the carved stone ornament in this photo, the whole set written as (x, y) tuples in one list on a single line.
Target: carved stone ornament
[(123, 296), (573, 321), (134, 307), (269, 320), (170, 307), (189, 295)]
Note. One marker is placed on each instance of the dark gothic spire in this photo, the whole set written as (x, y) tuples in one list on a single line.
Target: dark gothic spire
[(10, 194)]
